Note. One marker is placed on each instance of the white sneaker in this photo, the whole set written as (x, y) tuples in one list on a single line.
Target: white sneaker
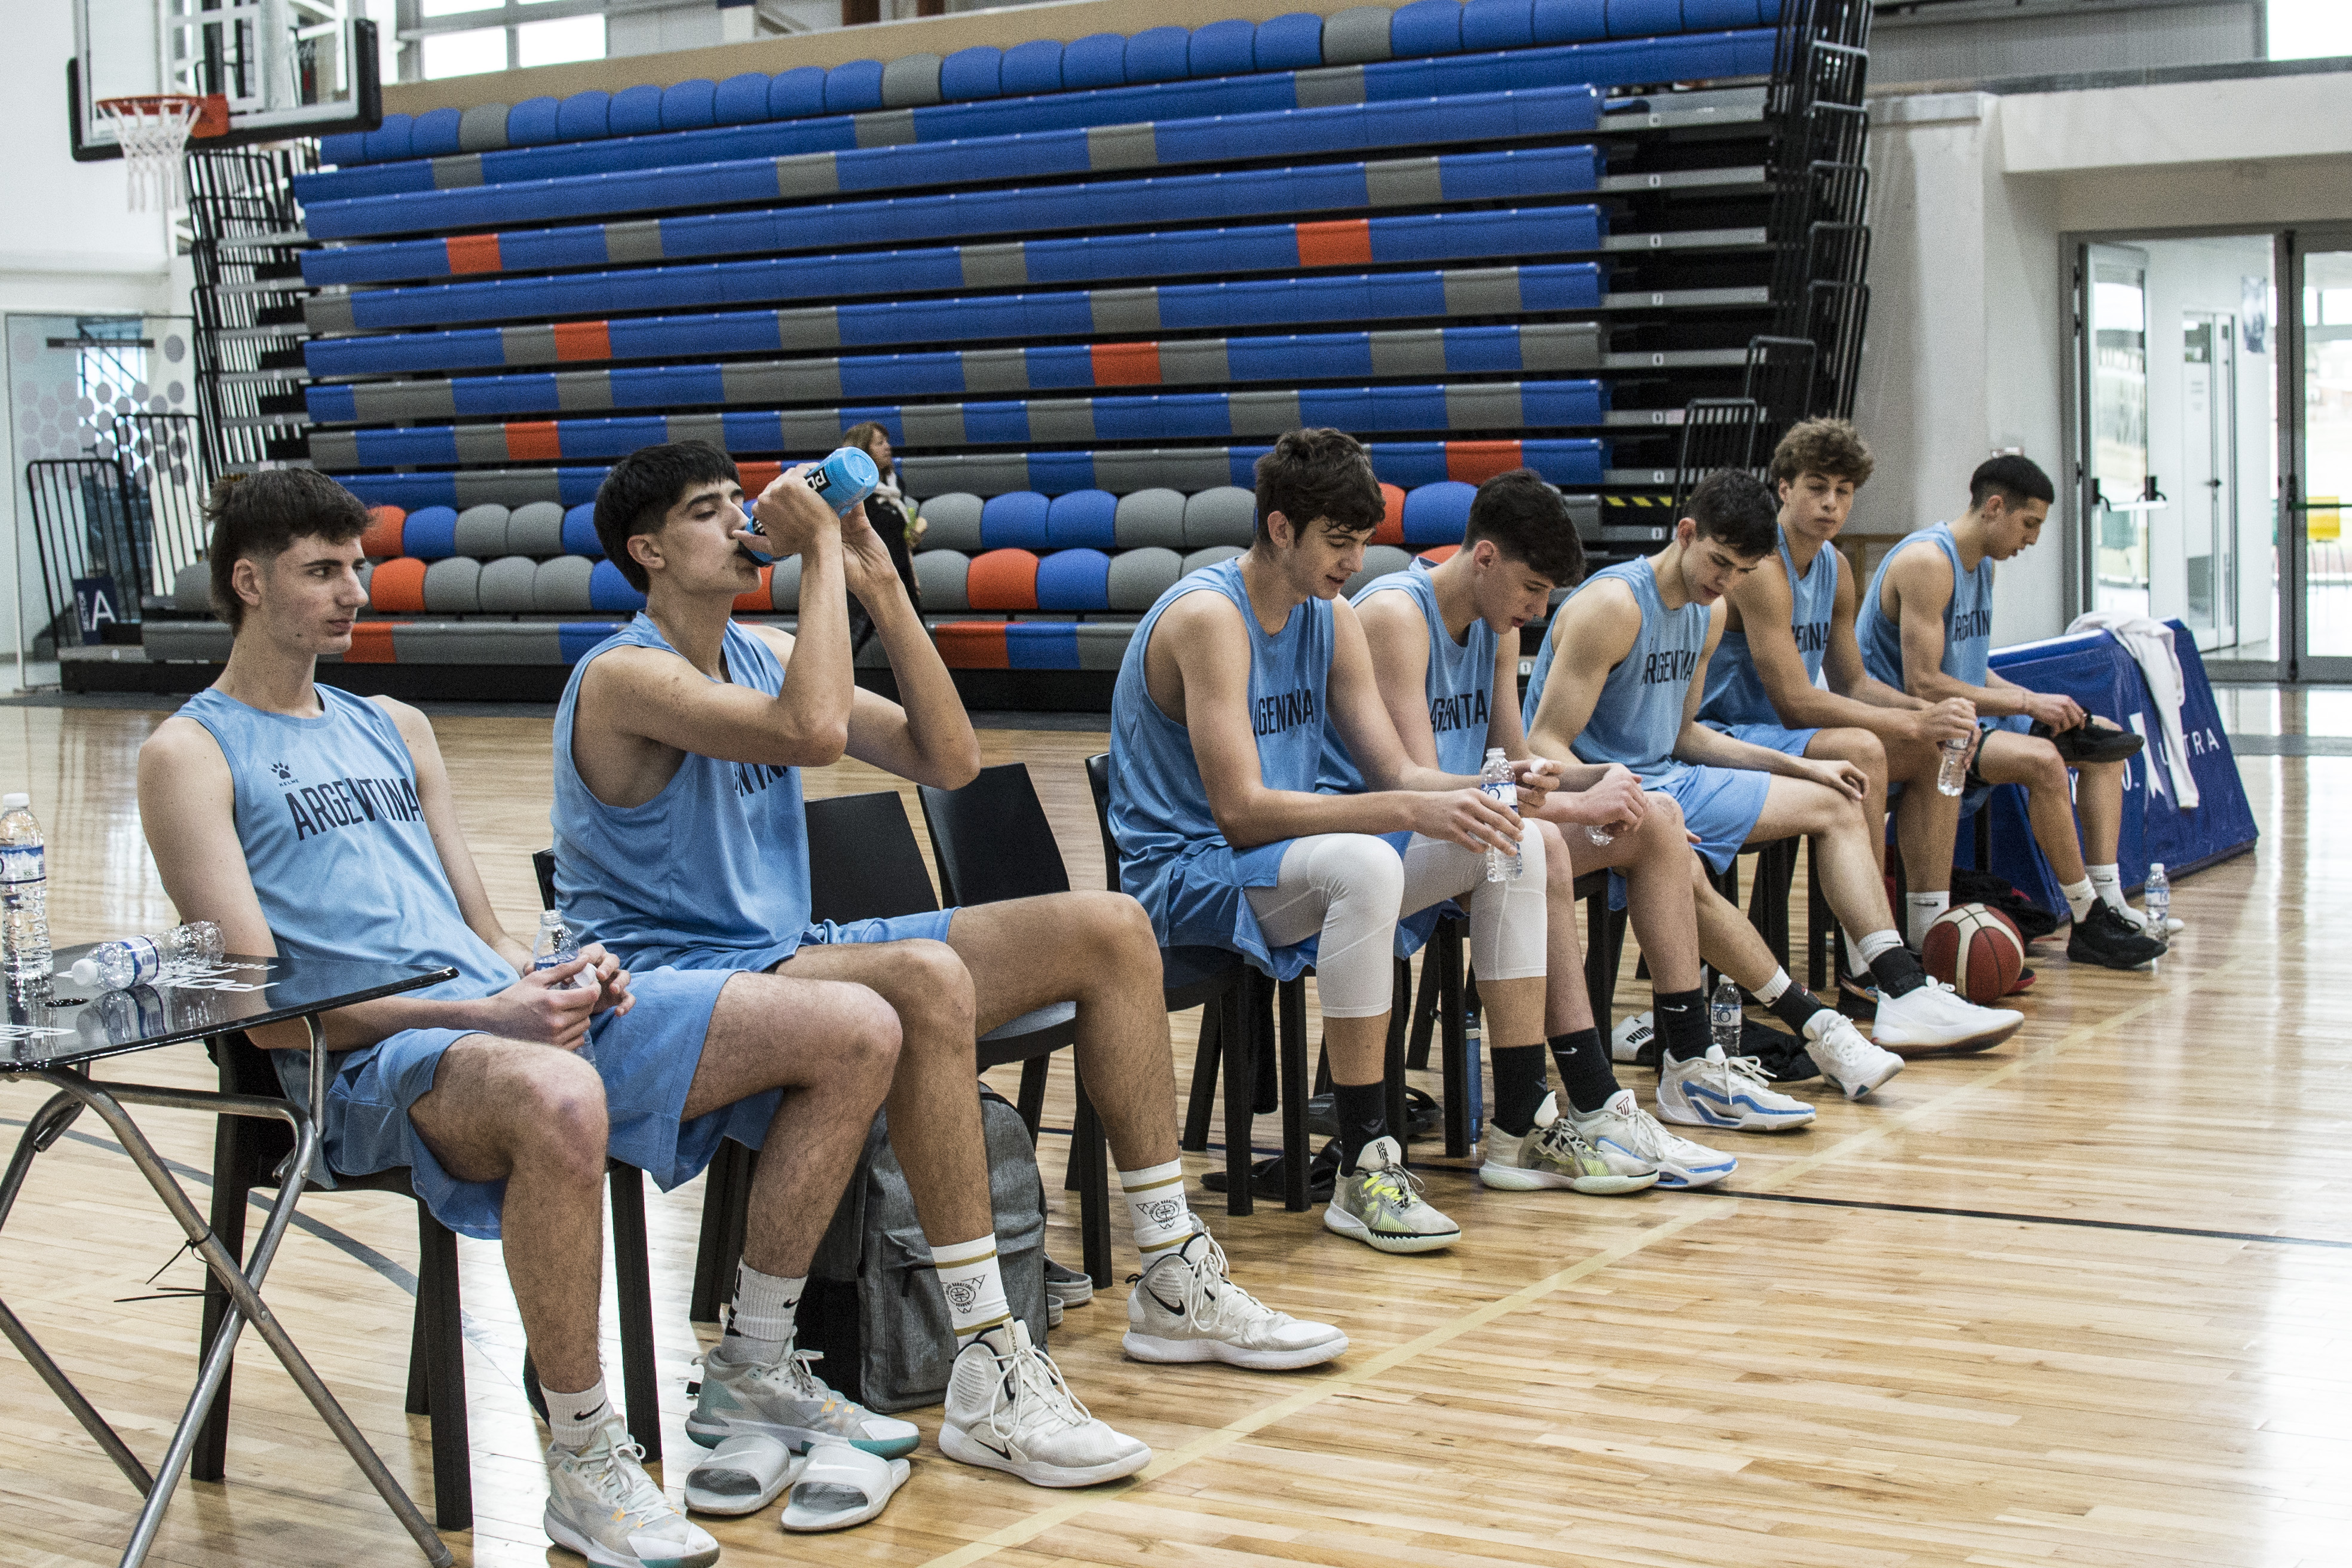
[(1629, 1136), (1008, 1409), (1716, 1090), (1846, 1059), (1186, 1307), (1554, 1153), (785, 1400), (1936, 1017), (1379, 1204), (602, 1505), (1631, 1037)]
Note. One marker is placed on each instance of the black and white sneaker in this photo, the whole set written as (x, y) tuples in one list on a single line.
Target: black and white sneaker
[(2105, 938), (1065, 1287)]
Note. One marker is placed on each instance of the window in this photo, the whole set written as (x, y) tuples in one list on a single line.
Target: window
[(464, 37)]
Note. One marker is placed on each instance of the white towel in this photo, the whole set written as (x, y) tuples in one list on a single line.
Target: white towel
[(2149, 642)]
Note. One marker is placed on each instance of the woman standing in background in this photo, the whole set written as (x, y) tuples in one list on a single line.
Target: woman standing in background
[(893, 517)]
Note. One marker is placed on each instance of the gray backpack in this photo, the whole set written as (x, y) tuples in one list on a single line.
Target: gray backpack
[(873, 1304)]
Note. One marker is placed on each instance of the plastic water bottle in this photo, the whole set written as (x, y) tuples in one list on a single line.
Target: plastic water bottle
[(1602, 837), (556, 945), (1952, 771), (2157, 895), (137, 961), (23, 900), (1723, 1018), (1495, 783)]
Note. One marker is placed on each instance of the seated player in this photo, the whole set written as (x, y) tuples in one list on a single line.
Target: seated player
[(1791, 620), (1619, 680), (680, 839), (307, 821), (1217, 727), (1927, 626)]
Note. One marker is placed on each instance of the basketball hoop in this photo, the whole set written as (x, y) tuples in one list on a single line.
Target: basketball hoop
[(151, 129)]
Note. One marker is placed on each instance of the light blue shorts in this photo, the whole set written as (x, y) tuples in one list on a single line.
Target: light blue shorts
[(1719, 804), (647, 1056), (1771, 737), (931, 925)]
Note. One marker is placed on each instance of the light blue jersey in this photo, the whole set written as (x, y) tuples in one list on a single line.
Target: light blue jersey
[(1735, 692), (1172, 858), (1968, 616), (1639, 714), (1460, 686)]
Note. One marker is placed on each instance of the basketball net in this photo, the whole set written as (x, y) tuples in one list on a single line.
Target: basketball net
[(151, 131)]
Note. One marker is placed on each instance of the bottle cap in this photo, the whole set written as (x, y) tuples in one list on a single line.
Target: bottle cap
[(15, 802), (84, 971)]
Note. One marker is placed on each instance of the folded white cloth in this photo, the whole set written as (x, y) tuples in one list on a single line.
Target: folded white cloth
[(2149, 642)]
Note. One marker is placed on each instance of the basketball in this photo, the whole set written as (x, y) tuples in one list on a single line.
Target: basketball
[(1975, 951)]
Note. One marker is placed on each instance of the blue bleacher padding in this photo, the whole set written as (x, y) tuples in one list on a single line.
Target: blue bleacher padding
[(393, 139), (343, 147), (436, 133), (1081, 520), (1098, 60), (1570, 21), (1014, 523), (580, 532), (328, 404), (854, 87), (1709, 16), (585, 116), (689, 105), (1226, 47), (1643, 18), (1292, 41), (534, 122), (1077, 580), (608, 590), (1498, 25), (1426, 27), (796, 93), (1041, 645), (635, 110), (740, 99), (579, 638), (975, 72), (1035, 66), (1160, 54), (430, 533), (1437, 513)]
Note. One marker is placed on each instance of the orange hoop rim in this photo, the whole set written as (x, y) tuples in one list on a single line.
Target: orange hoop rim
[(206, 114)]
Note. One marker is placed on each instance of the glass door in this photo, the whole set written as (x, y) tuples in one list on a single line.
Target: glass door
[(2319, 486)]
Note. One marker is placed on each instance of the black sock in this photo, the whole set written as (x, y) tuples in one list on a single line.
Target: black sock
[(1897, 972), (1519, 1087), (1585, 1069), (1682, 1023), (1362, 1110), (1796, 1006)]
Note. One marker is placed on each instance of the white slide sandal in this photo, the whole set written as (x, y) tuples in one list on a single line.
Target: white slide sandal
[(838, 1486), (742, 1475)]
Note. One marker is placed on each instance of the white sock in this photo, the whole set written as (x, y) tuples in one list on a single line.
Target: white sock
[(2079, 896), (1922, 909), (760, 1326), (1876, 942), (572, 1419), (2109, 881), (1157, 1207), (1772, 989), (974, 1286), (1856, 964)]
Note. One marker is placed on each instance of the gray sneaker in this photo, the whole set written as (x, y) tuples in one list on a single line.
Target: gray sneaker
[(1065, 1287), (602, 1505), (1378, 1204), (1553, 1153), (786, 1401)]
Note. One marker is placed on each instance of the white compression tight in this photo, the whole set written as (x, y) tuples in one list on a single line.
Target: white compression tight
[(1351, 887)]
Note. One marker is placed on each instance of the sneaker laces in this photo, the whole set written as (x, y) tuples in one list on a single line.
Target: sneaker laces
[(621, 1483), (1750, 1068), (1211, 1295), (794, 1370), (1565, 1144), (1030, 1371), (1395, 1183)]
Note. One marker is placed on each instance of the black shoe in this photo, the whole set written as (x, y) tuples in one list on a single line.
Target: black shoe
[(1422, 1114), (2105, 938), (1781, 1054), (2089, 744), (1266, 1176), (1857, 997)]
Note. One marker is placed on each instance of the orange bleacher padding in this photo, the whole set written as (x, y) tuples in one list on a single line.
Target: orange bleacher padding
[(756, 601), (533, 441), (474, 253), (371, 640), (1391, 524), (1127, 364), (1439, 554), (583, 340), (382, 540), (972, 645), (1475, 462), (397, 588), (757, 477), (1346, 242), (1002, 580)]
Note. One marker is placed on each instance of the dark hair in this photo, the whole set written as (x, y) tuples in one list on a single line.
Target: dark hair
[(642, 488), (1319, 475), (2018, 478), (1831, 447), (862, 437), (1528, 522), (257, 517), (1732, 507)]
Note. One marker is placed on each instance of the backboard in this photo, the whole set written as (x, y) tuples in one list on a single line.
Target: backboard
[(287, 68)]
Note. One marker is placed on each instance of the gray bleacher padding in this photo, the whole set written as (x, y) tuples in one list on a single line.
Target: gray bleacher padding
[(504, 588), (454, 587), (508, 487), (1102, 645), (1224, 515), (908, 82), (560, 586), (535, 529), (955, 521), (941, 575), (1137, 577), (1173, 468), (482, 532), (784, 585), (1210, 557), (205, 642), (192, 590), (483, 128), (1357, 35), (477, 642), (1379, 560), (1150, 517)]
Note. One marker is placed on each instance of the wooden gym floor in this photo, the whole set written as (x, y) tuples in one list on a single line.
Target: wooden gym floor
[(2076, 1301)]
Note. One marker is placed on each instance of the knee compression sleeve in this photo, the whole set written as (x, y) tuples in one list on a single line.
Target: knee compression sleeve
[(1347, 888), (1506, 918)]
